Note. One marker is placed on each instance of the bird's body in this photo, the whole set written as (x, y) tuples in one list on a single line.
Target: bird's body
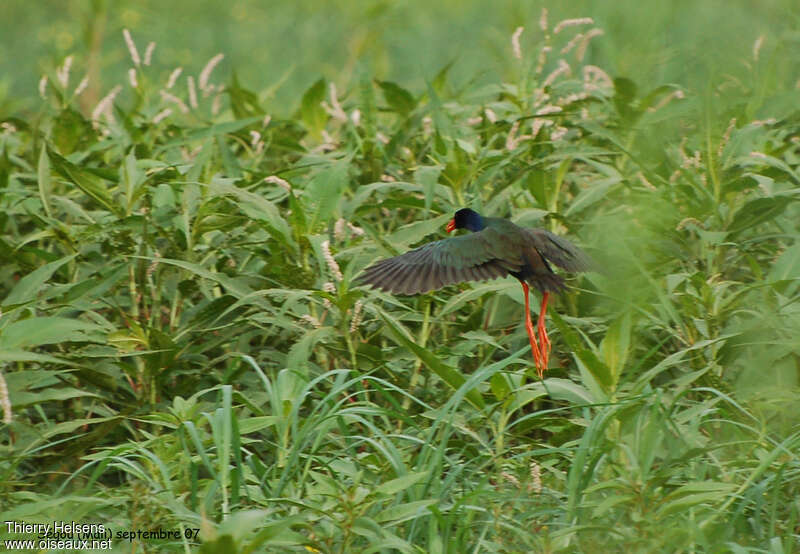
[(495, 248)]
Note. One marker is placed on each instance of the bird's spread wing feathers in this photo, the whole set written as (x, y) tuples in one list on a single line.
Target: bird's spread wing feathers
[(474, 257), (558, 250)]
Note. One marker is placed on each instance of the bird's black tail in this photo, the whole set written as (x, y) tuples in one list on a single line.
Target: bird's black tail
[(546, 282)]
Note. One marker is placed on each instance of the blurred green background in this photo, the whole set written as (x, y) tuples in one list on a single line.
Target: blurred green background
[(281, 47)]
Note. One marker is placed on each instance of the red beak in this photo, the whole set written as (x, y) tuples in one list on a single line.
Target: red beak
[(451, 225)]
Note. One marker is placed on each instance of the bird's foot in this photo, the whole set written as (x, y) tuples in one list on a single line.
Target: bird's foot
[(541, 365), (537, 354), (537, 360), (544, 341)]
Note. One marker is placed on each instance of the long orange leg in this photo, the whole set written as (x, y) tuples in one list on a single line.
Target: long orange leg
[(537, 355), (543, 338)]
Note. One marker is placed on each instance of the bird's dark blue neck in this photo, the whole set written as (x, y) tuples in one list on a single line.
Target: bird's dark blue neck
[(470, 220), (476, 224)]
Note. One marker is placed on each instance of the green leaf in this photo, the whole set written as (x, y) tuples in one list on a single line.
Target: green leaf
[(15, 355), (368, 528), (758, 211), (440, 80), (500, 386), (301, 350), (564, 389), (587, 455), (785, 272), (229, 160), (132, 179), (45, 180), (611, 502), (49, 505), (624, 89), (787, 266), (656, 94), (311, 111), (405, 511), (401, 483), (624, 96), (92, 185), (225, 128), (398, 98), (25, 398), (615, 346), (71, 132), (256, 423), (244, 103), (428, 177), (324, 193), (37, 331), (31, 379), (415, 232), (448, 374), (297, 216), (368, 117), (256, 207), (692, 494), (592, 195), (29, 286), (236, 287), (478, 289), (73, 425), (587, 358)]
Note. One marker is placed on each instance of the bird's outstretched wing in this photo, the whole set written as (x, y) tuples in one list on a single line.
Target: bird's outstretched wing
[(558, 250), (473, 257)]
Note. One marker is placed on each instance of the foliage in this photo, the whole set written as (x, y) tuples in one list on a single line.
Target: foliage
[(183, 347)]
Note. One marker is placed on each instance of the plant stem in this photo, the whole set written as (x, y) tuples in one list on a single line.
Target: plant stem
[(423, 338)]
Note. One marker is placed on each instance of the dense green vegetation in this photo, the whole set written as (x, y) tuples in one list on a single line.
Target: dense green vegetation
[(182, 347)]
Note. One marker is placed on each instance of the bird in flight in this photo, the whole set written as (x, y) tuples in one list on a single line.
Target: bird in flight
[(496, 247)]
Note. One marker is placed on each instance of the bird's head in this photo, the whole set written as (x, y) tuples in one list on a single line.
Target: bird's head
[(466, 219)]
